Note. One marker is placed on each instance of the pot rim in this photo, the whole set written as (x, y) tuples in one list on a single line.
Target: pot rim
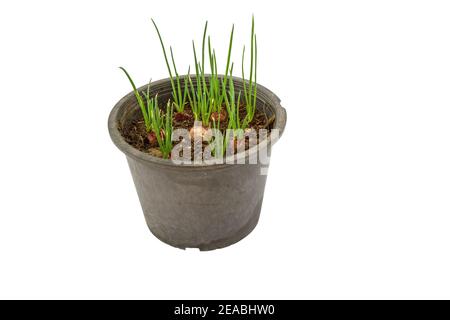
[(263, 93)]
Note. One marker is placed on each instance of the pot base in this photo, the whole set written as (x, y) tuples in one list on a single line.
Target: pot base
[(220, 243)]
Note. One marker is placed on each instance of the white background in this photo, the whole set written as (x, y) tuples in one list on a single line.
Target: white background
[(357, 201)]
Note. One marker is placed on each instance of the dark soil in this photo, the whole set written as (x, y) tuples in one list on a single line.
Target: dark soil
[(136, 134)]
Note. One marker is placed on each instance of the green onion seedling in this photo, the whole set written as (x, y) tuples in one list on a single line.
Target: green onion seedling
[(140, 101), (250, 92), (178, 95)]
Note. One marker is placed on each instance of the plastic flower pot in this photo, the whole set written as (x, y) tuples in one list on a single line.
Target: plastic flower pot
[(204, 206)]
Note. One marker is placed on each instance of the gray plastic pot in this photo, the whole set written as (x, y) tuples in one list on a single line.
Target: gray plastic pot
[(196, 206)]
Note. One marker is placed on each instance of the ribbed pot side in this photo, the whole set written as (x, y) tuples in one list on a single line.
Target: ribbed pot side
[(196, 206)]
